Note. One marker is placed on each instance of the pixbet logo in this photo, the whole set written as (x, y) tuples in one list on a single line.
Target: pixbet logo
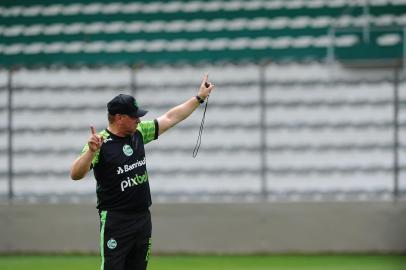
[(135, 181)]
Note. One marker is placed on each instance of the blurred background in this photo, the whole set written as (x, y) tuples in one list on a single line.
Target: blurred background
[(304, 146)]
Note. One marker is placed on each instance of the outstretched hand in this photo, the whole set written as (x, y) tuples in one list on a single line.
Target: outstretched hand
[(95, 141), (205, 87)]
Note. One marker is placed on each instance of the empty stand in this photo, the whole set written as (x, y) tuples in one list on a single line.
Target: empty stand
[(282, 124), (323, 137), (125, 32)]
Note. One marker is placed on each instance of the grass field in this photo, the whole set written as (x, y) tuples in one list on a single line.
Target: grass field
[(275, 262)]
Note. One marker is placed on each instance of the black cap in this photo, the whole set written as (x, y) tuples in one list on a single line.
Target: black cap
[(125, 104)]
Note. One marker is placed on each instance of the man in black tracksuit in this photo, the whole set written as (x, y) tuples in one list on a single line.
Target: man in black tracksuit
[(117, 157)]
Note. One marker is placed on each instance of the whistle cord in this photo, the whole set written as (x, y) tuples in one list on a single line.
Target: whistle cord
[(199, 137)]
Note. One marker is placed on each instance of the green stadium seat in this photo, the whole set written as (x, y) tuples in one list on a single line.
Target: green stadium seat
[(126, 32)]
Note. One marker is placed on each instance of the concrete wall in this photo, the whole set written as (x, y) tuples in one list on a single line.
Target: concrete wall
[(217, 228)]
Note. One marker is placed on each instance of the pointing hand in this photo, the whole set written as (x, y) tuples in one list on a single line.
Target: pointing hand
[(95, 141), (205, 87)]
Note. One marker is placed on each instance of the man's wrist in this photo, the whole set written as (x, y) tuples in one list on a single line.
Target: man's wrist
[(199, 99), (91, 152)]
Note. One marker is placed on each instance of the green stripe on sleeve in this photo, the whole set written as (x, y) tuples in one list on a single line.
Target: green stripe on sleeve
[(148, 130)]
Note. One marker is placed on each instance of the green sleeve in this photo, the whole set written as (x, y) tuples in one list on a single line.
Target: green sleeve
[(148, 130)]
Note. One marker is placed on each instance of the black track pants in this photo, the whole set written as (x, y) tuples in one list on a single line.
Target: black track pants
[(125, 240)]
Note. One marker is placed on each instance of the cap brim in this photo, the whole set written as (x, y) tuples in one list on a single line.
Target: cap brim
[(139, 113)]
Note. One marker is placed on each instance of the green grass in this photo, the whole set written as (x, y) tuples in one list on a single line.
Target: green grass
[(274, 262)]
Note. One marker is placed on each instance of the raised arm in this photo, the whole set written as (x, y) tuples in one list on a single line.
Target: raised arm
[(81, 165), (182, 111)]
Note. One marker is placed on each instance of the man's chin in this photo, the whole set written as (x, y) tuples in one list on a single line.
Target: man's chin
[(133, 131)]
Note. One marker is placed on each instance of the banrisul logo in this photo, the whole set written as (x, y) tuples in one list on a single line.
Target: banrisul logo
[(112, 244), (127, 168), (128, 151)]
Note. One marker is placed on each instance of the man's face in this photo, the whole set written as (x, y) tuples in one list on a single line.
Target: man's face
[(128, 124)]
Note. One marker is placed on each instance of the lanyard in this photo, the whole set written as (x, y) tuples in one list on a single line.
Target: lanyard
[(199, 137)]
